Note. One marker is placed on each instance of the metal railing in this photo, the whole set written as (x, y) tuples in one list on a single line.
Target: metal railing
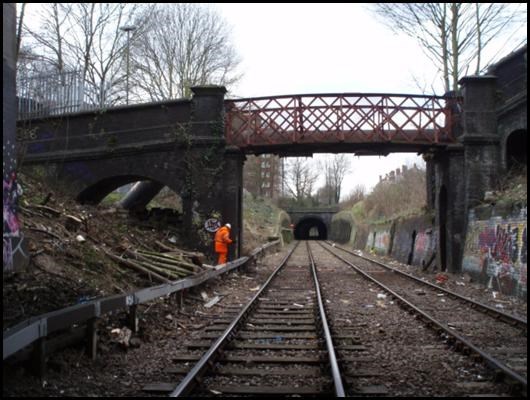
[(345, 117), (57, 94), (51, 94), (25, 333)]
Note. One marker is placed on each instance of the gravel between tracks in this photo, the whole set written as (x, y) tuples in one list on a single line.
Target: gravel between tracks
[(408, 358)]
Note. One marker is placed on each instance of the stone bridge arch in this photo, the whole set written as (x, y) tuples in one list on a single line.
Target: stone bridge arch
[(91, 180)]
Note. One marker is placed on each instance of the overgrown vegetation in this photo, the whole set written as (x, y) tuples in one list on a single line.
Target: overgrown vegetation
[(512, 186), (400, 195), (260, 220)]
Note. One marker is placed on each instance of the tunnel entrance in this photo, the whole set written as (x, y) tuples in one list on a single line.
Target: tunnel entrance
[(311, 229), (516, 146)]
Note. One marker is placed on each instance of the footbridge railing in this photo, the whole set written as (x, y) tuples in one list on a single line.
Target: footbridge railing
[(335, 118)]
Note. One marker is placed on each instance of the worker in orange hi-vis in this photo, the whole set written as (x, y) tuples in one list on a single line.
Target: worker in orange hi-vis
[(222, 240)]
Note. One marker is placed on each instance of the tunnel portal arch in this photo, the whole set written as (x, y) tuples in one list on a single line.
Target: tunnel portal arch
[(310, 228)]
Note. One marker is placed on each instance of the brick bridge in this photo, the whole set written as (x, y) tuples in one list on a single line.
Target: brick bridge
[(197, 147)]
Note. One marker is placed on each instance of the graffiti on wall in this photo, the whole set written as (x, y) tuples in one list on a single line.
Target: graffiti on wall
[(496, 250), (380, 242), (424, 246), (11, 225)]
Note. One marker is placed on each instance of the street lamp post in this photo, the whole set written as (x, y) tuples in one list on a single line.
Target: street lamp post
[(127, 29)]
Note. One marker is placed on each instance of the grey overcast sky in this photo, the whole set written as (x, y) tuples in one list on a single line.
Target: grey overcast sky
[(330, 48), (323, 48)]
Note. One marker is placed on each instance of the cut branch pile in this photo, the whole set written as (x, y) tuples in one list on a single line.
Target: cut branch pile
[(162, 267)]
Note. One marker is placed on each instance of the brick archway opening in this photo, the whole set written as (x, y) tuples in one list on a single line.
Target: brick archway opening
[(310, 229)]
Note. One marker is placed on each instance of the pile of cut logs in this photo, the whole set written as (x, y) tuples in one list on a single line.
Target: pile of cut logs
[(163, 267)]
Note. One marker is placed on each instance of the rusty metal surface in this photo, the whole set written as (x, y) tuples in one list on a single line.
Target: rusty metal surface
[(348, 118)]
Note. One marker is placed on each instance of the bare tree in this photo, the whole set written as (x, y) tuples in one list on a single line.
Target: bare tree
[(300, 178), (20, 24), (186, 45), (452, 35), (87, 37), (49, 38), (356, 195), (398, 196), (335, 167)]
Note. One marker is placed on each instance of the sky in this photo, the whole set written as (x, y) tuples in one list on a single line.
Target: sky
[(325, 48), (328, 48)]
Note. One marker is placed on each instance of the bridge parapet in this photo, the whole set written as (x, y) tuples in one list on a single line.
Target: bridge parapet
[(340, 118)]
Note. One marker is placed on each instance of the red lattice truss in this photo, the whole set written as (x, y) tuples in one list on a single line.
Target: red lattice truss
[(336, 118)]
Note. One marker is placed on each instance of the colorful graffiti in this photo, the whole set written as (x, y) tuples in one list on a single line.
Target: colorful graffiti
[(496, 252), (424, 246), (11, 225), (380, 241)]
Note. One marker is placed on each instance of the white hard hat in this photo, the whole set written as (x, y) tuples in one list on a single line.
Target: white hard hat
[(229, 226)]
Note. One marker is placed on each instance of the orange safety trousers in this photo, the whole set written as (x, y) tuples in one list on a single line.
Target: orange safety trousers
[(223, 258)]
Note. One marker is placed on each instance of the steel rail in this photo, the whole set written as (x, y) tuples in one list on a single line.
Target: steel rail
[(335, 370), (513, 319), (490, 360), (187, 385)]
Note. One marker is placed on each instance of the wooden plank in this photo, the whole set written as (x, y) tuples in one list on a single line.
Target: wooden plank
[(159, 387), (274, 346), (272, 390), (280, 316), (346, 337), (263, 335), (178, 369), (267, 372), (199, 344), (509, 350), (361, 373), (285, 310), (306, 321), (357, 359), (352, 348), (272, 359), (304, 328), (286, 306), (372, 389), (216, 327), (249, 359), (186, 357)]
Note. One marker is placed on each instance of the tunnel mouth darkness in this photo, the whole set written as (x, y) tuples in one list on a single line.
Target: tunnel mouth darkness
[(516, 153), (310, 229)]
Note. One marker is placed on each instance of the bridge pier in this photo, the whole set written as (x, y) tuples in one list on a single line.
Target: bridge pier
[(451, 210), (480, 138), (464, 172), (214, 177)]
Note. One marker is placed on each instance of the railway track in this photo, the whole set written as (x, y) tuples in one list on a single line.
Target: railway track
[(497, 338), (279, 344)]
